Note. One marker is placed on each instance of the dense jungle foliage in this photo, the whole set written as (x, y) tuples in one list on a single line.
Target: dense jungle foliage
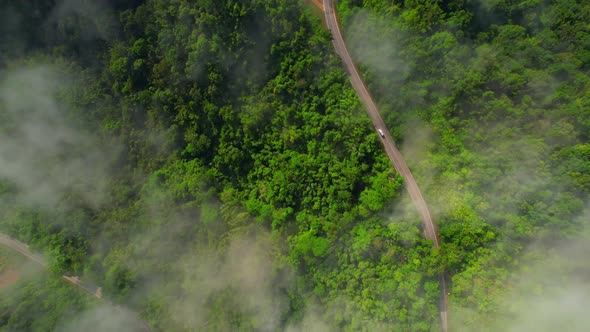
[(208, 164)]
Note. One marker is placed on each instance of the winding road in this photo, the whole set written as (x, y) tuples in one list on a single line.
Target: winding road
[(428, 225), (430, 231)]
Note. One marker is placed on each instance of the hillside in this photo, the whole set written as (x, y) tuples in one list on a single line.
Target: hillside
[(210, 166)]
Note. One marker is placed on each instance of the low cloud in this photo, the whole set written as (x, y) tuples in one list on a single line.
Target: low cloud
[(104, 318), (547, 291), (551, 293), (44, 154), (243, 276), (88, 19), (374, 42)]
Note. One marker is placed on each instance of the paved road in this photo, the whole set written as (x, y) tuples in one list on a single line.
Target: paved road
[(430, 231)]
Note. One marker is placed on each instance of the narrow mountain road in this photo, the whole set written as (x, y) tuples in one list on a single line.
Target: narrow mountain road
[(430, 231), (23, 249)]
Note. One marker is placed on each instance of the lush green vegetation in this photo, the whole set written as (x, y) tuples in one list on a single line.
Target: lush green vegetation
[(4, 260), (503, 85), (208, 164), (39, 302)]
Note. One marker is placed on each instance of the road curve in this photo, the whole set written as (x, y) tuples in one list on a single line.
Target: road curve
[(430, 231)]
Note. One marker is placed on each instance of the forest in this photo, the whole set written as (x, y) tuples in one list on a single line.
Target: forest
[(208, 164)]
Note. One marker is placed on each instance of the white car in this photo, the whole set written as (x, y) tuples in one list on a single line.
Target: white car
[(381, 132)]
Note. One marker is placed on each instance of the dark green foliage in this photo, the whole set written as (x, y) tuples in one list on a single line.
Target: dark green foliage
[(230, 119)]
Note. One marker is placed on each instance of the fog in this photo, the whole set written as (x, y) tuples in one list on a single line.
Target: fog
[(103, 318), (502, 178), (547, 292), (93, 19), (44, 153), (47, 157), (48, 160), (551, 294), (234, 269)]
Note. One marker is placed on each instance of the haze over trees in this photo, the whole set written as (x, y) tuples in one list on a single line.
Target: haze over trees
[(209, 165)]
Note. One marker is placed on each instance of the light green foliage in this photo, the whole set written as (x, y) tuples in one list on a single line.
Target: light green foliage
[(230, 119), (575, 163), (503, 84), (39, 304)]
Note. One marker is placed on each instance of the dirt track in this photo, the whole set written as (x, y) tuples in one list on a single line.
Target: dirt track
[(8, 277), (430, 231), (23, 249)]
